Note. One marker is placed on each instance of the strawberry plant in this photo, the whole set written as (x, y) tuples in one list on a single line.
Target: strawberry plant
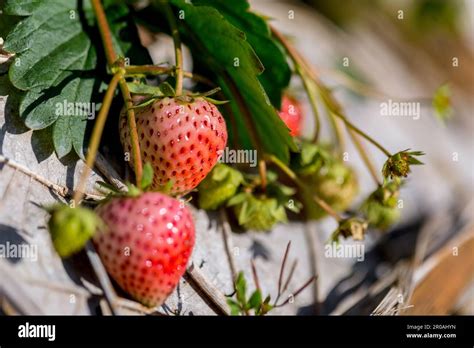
[(67, 57)]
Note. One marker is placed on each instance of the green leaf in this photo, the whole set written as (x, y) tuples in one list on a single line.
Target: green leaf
[(7, 22), (234, 307), (147, 176), (226, 52), (241, 288), (145, 102), (68, 134), (276, 77), (57, 50), (142, 88), (167, 89), (215, 101), (255, 301), (21, 7)]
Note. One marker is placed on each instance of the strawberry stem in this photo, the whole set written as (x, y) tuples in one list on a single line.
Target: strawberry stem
[(335, 108), (112, 60), (96, 136), (340, 142), (132, 125), (312, 98), (365, 158), (262, 170), (177, 46), (104, 32)]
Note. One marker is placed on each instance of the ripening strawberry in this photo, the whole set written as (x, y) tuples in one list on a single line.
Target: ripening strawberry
[(291, 114), (145, 244), (181, 140)]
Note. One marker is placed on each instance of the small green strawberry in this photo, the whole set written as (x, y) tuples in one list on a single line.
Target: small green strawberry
[(71, 228), (380, 208), (219, 186)]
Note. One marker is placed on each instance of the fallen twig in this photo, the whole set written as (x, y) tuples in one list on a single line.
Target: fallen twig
[(207, 290), (60, 190), (227, 235)]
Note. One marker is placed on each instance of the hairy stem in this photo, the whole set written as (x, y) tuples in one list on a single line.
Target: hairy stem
[(363, 154), (337, 133), (96, 136), (106, 36), (104, 32), (132, 125), (177, 45), (363, 134)]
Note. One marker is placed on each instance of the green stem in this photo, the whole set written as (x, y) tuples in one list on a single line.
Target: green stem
[(363, 134), (177, 46), (309, 88), (96, 136), (106, 36), (337, 133), (104, 32), (334, 108), (367, 90), (132, 125), (291, 174), (363, 154)]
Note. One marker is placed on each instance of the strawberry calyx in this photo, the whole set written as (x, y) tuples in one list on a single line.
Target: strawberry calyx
[(132, 190), (260, 210), (153, 93), (219, 186), (71, 228)]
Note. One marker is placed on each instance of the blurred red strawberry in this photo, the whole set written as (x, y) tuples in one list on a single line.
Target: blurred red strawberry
[(291, 114)]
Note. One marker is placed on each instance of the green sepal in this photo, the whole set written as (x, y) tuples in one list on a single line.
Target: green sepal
[(220, 185)]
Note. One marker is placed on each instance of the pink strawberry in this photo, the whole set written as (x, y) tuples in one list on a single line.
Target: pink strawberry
[(291, 114), (146, 244), (181, 140)]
